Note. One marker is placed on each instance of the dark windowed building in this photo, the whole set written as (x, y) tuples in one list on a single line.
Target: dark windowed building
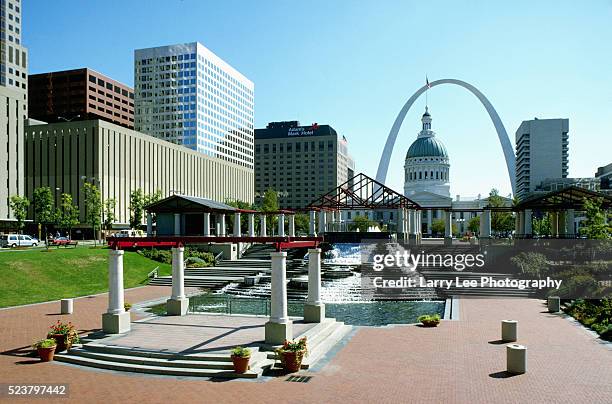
[(79, 94), (300, 163)]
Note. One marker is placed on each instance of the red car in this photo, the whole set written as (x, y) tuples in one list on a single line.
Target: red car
[(60, 241)]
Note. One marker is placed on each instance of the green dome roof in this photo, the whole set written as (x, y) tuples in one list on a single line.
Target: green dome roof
[(427, 147)]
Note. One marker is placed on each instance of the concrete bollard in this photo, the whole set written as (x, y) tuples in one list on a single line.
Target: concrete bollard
[(509, 330), (67, 306), (554, 304), (516, 359)]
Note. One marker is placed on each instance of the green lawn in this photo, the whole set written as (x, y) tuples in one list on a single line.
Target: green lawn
[(38, 276)]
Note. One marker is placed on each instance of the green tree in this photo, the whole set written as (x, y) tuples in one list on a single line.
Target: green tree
[(302, 223), (438, 226), (530, 263), (595, 226), (244, 221), (137, 204), (500, 221), (151, 199), (361, 224), (67, 215), (270, 204), (109, 213), (19, 206), (541, 225), (93, 207), (44, 209), (474, 224)]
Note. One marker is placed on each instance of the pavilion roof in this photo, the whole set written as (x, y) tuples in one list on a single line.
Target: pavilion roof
[(567, 198)]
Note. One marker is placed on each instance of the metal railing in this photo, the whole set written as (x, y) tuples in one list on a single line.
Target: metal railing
[(154, 273)]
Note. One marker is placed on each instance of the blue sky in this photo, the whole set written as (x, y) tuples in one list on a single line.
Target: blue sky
[(353, 63)]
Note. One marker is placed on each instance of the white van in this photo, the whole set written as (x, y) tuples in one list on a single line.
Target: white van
[(14, 240)]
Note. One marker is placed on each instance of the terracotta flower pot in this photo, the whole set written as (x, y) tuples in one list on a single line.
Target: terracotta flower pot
[(46, 354), (62, 341), (241, 365), (292, 361)]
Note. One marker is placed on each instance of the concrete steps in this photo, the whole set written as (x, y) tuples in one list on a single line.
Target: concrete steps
[(216, 365)]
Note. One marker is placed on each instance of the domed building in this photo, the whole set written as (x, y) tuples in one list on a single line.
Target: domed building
[(427, 173)]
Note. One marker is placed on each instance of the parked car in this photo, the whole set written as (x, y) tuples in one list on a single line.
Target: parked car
[(60, 241), (18, 240)]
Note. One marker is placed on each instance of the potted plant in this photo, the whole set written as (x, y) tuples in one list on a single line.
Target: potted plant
[(45, 349), (430, 320), (240, 358), (64, 335), (127, 306), (292, 353)]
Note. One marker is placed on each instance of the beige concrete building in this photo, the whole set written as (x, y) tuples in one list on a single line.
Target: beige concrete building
[(119, 160), (13, 110)]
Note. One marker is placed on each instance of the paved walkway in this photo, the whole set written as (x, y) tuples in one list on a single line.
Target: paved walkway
[(458, 362)]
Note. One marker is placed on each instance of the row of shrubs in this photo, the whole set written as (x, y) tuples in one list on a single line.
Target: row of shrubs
[(193, 257), (595, 314)]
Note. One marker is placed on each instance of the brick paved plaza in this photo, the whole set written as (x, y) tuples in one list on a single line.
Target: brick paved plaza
[(458, 362)]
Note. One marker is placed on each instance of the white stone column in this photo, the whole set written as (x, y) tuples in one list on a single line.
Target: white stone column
[(251, 225), (281, 225), (312, 223), (292, 225), (206, 224), (177, 224), (314, 309), (521, 226), (279, 328), (528, 232), (149, 224), (322, 221), (448, 228), (263, 231), (237, 229), (222, 224), (485, 224), (116, 320), (400, 223), (569, 218), (178, 304), (554, 224), (429, 221)]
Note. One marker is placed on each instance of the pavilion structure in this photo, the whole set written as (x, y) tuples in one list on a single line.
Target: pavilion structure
[(561, 205)]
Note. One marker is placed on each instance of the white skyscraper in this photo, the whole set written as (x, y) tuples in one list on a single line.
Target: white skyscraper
[(187, 95), (13, 56), (541, 153)]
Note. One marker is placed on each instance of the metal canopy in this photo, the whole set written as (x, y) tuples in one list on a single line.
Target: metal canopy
[(188, 204), (362, 193), (568, 198)]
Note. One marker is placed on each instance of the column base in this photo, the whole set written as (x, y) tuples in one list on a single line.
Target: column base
[(277, 333), (448, 241), (314, 313), (177, 307), (116, 323)]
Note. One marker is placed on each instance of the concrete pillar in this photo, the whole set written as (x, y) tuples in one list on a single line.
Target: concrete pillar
[(281, 225), (527, 226), (312, 229), (178, 304), (400, 223), (521, 216), (66, 306), (222, 225), (554, 224), (149, 224), (177, 224), (509, 332), (207, 223), (429, 220), (561, 220), (116, 320), (321, 221), (251, 225), (237, 229), (554, 304), (448, 228), (569, 219), (263, 231), (485, 224), (279, 328), (516, 359), (291, 225), (314, 309)]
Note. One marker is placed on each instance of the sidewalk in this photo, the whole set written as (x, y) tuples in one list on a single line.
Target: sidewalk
[(454, 363)]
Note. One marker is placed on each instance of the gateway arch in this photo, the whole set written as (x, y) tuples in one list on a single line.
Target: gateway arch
[(383, 165)]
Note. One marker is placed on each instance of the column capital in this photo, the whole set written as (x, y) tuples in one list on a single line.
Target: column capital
[(116, 252), (278, 254), (314, 250)]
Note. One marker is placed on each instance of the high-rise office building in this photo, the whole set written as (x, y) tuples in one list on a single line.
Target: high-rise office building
[(541, 153), (13, 107), (187, 95), (13, 56), (79, 94), (301, 163)]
